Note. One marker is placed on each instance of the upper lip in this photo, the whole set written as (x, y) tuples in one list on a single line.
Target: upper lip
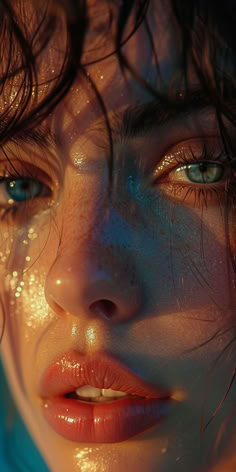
[(73, 370)]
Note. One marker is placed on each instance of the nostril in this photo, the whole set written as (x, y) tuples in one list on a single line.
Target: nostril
[(105, 308)]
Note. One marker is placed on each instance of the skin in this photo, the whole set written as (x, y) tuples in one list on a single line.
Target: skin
[(143, 250)]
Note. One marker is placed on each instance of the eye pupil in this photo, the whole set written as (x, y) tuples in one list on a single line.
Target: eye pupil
[(202, 167)]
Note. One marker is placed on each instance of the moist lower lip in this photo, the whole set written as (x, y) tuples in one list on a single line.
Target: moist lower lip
[(109, 422)]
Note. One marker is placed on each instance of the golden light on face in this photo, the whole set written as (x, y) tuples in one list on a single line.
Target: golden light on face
[(141, 275)]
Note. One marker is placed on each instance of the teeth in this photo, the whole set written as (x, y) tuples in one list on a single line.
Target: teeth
[(108, 392), (87, 391)]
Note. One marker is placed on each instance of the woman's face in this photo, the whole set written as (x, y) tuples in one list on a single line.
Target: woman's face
[(140, 275)]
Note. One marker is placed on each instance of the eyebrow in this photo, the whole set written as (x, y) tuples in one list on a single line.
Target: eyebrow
[(136, 120), (141, 119), (41, 136)]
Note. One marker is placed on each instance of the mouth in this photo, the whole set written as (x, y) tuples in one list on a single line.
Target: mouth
[(99, 400)]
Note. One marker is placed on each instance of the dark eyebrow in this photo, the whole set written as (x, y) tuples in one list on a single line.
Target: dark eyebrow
[(40, 136), (141, 119)]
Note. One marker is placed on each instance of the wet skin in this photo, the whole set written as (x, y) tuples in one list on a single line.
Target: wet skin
[(155, 252)]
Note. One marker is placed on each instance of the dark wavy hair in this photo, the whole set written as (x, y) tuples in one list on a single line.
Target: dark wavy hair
[(207, 33)]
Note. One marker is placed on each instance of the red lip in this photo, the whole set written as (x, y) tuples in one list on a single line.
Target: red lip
[(112, 421)]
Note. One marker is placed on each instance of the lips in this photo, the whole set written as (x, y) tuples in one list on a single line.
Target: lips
[(112, 421)]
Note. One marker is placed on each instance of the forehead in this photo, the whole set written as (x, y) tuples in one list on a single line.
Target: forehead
[(119, 90), (156, 40), (103, 73)]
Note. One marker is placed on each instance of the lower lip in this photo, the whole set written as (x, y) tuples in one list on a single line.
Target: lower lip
[(108, 422)]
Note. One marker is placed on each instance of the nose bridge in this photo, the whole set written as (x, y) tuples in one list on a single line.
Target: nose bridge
[(95, 275)]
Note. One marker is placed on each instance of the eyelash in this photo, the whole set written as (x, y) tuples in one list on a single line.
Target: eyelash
[(202, 193)]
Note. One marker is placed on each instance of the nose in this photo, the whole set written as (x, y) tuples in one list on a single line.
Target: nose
[(96, 277)]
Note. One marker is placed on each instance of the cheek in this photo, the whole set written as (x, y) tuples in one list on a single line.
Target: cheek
[(187, 262), (23, 278)]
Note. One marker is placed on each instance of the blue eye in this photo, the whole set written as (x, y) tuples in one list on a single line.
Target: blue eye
[(204, 172), (23, 189)]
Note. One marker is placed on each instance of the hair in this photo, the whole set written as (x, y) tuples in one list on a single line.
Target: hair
[(207, 32)]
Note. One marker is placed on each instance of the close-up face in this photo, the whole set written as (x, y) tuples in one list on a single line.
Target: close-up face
[(116, 270)]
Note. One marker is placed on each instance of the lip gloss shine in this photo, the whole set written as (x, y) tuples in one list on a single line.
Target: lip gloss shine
[(106, 422)]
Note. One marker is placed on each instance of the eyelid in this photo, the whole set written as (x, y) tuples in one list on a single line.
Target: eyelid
[(177, 155), (24, 170)]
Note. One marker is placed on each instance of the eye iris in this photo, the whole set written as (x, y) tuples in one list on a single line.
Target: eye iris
[(23, 189), (204, 172)]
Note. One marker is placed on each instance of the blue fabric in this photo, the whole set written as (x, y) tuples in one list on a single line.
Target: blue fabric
[(18, 452)]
